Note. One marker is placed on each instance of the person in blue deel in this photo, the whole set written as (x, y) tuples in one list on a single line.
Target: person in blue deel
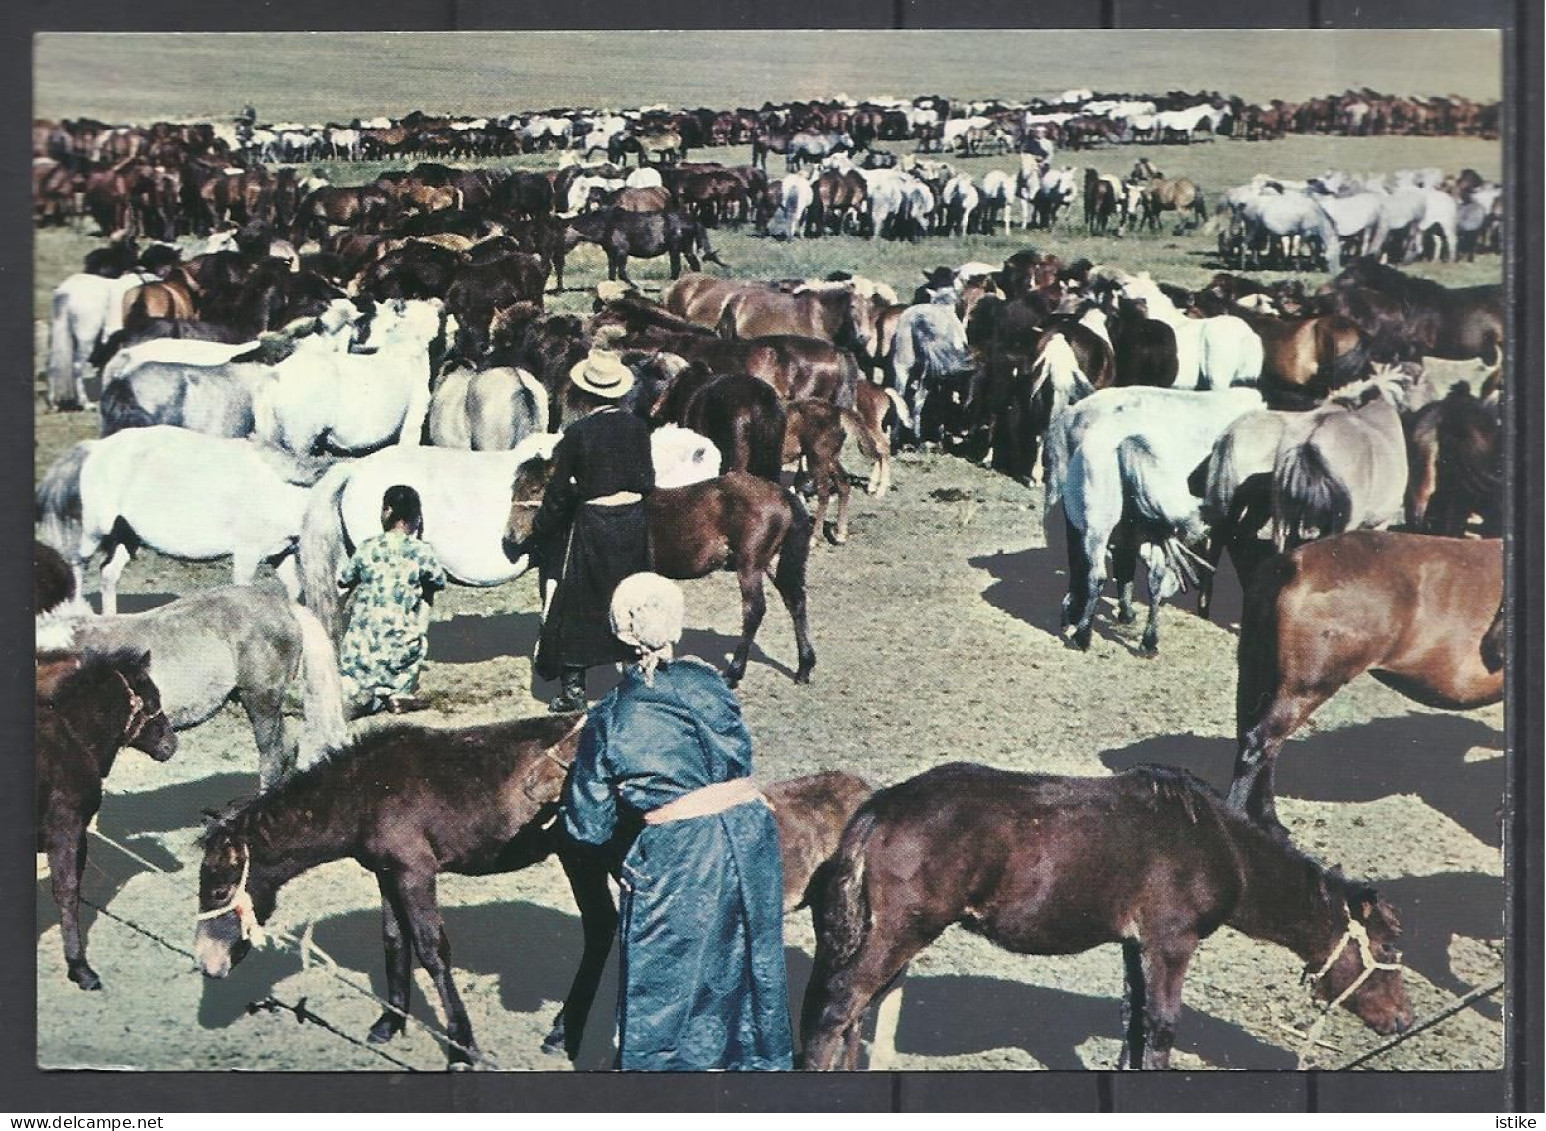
[(702, 923)]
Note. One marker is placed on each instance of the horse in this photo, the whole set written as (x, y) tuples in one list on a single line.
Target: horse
[(929, 356), (94, 706), (1458, 324), (833, 312), (646, 235), (356, 402), (815, 431), (1411, 610), (809, 147), (1158, 194), (1210, 352), (410, 803), (183, 494), (736, 522), (1314, 354), (1120, 462), (1348, 471), (1357, 216), (491, 410), (1454, 449), (1151, 858), (87, 310), (241, 642), (741, 414), (466, 499), (1286, 217)]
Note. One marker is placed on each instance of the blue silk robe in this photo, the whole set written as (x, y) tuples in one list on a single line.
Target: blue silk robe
[(702, 925)]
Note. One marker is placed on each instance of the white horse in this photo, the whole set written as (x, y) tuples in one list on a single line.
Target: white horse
[(1120, 461), (355, 402), (998, 189), (1356, 213), (796, 202), (183, 494), (1211, 353), (466, 502), (87, 310), (492, 410), (1289, 217), (1028, 184), (960, 200)]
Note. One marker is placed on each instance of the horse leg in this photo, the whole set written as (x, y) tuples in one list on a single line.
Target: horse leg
[(276, 758), (1134, 1005), (840, 481), (399, 969), (112, 570), (789, 580), (754, 604), (1251, 791), (1164, 976), (66, 865), (1213, 553), (1124, 569), (289, 573), (836, 1001), (598, 920), (414, 893), (1163, 584)]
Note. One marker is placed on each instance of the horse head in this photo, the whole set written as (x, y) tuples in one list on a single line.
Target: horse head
[(1362, 969), (235, 898)]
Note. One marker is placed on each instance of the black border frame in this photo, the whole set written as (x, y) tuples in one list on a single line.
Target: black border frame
[(1519, 1087)]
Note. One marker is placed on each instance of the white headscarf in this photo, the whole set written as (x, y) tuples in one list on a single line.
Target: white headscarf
[(647, 613)]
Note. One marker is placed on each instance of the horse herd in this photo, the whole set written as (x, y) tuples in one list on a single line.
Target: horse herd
[(260, 410)]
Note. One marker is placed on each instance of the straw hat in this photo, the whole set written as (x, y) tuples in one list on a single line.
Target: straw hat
[(603, 374)]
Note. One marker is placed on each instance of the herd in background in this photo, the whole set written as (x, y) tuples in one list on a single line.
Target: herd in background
[(395, 333)]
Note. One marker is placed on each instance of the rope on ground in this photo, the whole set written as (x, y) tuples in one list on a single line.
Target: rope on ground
[(1379, 1050), (306, 947), (126, 850), (300, 1011), (305, 1016)]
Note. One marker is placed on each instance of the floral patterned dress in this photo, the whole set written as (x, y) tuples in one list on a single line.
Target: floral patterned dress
[(385, 645)]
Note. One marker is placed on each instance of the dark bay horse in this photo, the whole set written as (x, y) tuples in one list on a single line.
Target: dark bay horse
[(1152, 858), (412, 802), (646, 235), (1455, 450), (735, 522), (1409, 609), (1457, 323), (742, 415), (89, 707)]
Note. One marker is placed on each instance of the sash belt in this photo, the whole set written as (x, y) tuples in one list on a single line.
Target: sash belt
[(707, 801), (616, 499)]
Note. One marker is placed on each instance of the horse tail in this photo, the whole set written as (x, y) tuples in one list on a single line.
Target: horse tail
[(536, 395), (106, 349), (323, 544), (1055, 456), (842, 911), (57, 500), (1307, 497), (766, 457), (60, 390), (1349, 365), (323, 693), (871, 444), (120, 409)]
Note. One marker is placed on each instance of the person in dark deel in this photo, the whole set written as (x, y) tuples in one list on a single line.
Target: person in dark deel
[(702, 925), (591, 528)]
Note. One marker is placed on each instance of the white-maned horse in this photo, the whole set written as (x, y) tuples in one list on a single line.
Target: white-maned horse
[(1119, 461), (466, 502), (1211, 353), (183, 494), (87, 310), (356, 402)]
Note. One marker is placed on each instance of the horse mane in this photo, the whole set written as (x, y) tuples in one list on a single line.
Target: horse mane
[(95, 666)]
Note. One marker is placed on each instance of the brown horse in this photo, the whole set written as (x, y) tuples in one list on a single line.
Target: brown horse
[(1152, 859), (412, 802), (740, 413), (1409, 609), (815, 431), (735, 522), (830, 312), (1167, 194), (1460, 323), (1318, 354), (1454, 451), (88, 709)]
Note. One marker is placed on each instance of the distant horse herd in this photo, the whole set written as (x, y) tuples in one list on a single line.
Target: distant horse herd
[(260, 390)]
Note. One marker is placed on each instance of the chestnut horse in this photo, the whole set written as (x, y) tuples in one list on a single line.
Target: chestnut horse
[(1152, 858), (1409, 609), (736, 521), (88, 709)]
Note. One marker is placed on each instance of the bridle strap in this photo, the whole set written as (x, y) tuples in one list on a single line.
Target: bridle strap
[(1355, 932), (240, 902)]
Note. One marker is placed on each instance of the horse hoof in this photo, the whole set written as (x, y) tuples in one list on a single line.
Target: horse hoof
[(460, 1066), (387, 1026), (1081, 640), (1127, 616), (85, 977)]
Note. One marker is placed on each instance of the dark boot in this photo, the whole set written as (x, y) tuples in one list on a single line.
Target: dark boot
[(571, 693)]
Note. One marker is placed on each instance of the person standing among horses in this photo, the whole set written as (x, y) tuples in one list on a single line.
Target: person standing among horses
[(701, 924), (395, 575), (591, 530)]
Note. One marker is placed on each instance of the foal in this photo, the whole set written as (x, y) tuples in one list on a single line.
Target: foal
[(1153, 859)]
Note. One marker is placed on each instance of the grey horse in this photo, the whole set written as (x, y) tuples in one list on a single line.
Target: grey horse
[(243, 642)]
